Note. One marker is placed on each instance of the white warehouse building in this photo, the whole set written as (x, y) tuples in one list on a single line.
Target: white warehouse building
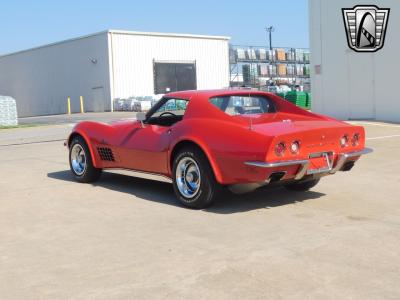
[(109, 65), (347, 84)]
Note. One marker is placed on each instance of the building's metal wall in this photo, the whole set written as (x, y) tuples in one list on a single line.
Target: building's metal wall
[(41, 79), (104, 66), (353, 85), (133, 55)]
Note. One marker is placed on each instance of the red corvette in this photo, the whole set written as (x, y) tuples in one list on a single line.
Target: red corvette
[(206, 140)]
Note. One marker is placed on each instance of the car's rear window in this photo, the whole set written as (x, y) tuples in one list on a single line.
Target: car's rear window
[(243, 105)]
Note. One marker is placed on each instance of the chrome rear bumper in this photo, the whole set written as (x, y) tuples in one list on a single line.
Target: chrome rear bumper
[(304, 163)]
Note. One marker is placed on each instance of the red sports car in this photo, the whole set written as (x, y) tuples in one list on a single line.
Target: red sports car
[(206, 140)]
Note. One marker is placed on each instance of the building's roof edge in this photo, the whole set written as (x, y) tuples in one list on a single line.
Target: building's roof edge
[(113, 31), (56, 43), (163, 34)]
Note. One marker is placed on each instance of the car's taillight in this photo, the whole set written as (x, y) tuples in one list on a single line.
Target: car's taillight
[(295, 147), (280, 149), (355, 140), (344, 141)]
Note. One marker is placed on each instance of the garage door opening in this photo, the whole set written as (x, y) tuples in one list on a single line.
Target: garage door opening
[(174, 76)]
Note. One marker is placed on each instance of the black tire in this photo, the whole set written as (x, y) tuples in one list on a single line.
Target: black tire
[(90, 173), (209, 188), (302, 186)]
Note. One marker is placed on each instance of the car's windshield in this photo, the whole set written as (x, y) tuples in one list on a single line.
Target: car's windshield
[(243, 105)]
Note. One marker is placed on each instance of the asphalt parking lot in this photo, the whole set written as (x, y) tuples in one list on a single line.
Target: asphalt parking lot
[(127, 238)]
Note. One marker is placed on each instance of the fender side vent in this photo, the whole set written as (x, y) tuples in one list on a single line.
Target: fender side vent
[(105, 154)]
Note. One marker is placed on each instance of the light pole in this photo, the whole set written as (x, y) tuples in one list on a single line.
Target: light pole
[(270, 30)]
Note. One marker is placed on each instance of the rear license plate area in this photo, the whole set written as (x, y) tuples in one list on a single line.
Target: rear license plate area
[(320, 162)]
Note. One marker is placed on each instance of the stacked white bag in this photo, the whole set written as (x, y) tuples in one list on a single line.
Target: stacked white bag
[(8, 111)]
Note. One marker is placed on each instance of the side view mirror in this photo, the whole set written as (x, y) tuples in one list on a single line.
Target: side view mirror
[(141, 117)]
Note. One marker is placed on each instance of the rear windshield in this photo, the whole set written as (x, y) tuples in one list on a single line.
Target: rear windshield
[(243, 105)]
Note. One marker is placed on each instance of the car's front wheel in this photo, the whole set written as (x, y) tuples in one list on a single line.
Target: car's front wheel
[(81, 162), (194, 182)]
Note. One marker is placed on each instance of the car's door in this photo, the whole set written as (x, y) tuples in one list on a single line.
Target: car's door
[(147, 146)]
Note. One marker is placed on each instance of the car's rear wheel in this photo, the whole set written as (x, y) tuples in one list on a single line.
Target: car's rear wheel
[(302, 186), (81, 162), (193, 178)]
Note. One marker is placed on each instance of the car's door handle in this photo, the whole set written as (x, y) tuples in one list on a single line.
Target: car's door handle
[(169, 131)]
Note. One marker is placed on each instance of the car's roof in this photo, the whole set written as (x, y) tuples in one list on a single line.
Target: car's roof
[(213, 93), (200, 107)]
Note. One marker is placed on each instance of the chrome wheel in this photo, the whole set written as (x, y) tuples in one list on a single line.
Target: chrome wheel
[(188, 177), (78, 159)]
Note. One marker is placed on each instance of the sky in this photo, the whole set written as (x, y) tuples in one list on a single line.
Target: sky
[(27, 24)]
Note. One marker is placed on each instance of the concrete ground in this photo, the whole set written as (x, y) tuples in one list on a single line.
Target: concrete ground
[(127, 238)]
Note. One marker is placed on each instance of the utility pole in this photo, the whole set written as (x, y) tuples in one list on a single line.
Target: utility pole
[(270, 30)]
